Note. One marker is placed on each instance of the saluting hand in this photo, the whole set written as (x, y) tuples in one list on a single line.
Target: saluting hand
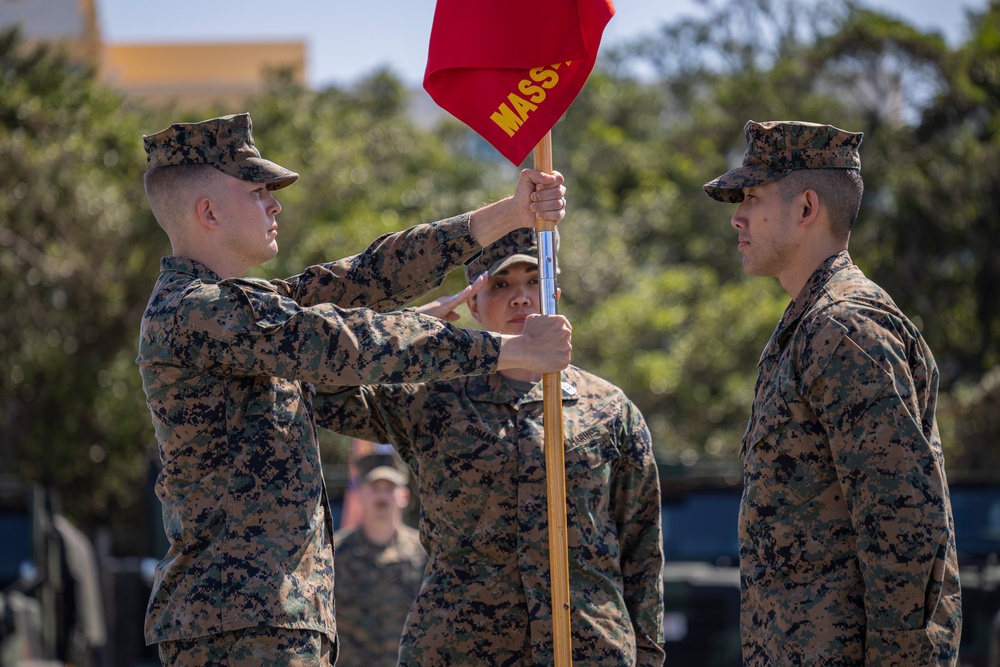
[(444, 308)]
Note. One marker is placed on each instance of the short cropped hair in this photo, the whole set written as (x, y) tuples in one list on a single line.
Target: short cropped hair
[(839, 190), (165, 187)]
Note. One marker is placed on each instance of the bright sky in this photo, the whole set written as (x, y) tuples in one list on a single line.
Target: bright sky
[(347, 39)]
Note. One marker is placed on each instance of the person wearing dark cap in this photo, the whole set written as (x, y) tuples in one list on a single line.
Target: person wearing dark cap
[(477, 446), (847, 541), (229, 367), (379, 566)]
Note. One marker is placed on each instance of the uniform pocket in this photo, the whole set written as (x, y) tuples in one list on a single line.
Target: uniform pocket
[(770, 416), (589, 450), (270, 311), (467, 482)]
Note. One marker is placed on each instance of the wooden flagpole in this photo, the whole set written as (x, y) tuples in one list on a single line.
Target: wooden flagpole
[(555, 460)]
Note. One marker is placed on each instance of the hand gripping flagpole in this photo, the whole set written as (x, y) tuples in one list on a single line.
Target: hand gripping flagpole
[(552, 415)]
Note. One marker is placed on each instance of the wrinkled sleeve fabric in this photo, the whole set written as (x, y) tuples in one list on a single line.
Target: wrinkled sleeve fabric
[(393, 271), (382, 413), (892, 479), (636, 506), (241, 327)]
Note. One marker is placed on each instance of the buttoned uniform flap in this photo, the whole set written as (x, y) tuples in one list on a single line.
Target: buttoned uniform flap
[(771, 414), (591, 448), (234, 308), (269, 309), (851, 381)]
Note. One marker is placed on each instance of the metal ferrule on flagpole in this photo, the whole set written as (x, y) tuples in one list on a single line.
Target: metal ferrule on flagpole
[(547, 272)]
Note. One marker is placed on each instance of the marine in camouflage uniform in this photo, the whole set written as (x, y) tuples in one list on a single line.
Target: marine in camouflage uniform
[(229, 365), (476, 445), (376, 581), (847, 542)]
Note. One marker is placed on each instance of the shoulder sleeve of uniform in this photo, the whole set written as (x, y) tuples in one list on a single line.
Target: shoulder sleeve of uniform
[(636, 442), (230, 308), (835, 370)]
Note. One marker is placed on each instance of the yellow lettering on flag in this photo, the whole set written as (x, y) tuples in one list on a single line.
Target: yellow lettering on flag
[(510, 118), (506, 119), (522, 106), (534, 93), (546, 77)]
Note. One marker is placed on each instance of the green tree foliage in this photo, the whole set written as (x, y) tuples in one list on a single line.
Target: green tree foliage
[(80, 249), (73, 239), (651, 277), (926, 231)]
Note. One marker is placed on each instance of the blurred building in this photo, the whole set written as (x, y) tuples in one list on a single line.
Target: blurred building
[(187, 74), (198, 74)]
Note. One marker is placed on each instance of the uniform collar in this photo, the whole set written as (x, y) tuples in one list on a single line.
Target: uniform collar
[(188, 266), (805, 300), (198, 271)]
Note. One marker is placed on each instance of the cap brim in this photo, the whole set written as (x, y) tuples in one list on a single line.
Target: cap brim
[(385, 473), (511, 260), (259, 170), (728, 188)]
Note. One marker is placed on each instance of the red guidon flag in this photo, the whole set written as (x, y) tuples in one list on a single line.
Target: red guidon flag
[(509, 69)]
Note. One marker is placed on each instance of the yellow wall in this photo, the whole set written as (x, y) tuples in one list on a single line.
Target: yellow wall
[(185, 74), (196, 73)]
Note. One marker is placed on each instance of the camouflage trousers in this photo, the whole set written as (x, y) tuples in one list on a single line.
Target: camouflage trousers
[(267, 647)]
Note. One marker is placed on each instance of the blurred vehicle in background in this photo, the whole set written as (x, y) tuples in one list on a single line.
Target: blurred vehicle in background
[(701, 573), (60, 599), (51, 603), (701, 576), (976, 506)]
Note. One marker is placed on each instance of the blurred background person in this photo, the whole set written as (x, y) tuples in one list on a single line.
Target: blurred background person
[(378, 565)]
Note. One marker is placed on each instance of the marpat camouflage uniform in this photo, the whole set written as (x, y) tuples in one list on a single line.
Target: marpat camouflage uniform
[(376, 585), (847, 542), (228, 368), (477, 448)]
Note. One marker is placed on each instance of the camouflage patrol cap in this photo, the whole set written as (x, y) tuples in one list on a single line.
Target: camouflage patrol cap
[(374, 467), (224, 142), (777, 148), (520, 246)]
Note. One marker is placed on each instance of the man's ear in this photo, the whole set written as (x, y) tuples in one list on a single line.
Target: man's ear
[(205, 211), (809, 207)]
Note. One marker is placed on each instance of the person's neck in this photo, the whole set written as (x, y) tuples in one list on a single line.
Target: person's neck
[(379, 531), (206, 252), (811, 259)]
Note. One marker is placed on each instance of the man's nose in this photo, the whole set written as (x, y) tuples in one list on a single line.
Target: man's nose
[(738, 221)]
